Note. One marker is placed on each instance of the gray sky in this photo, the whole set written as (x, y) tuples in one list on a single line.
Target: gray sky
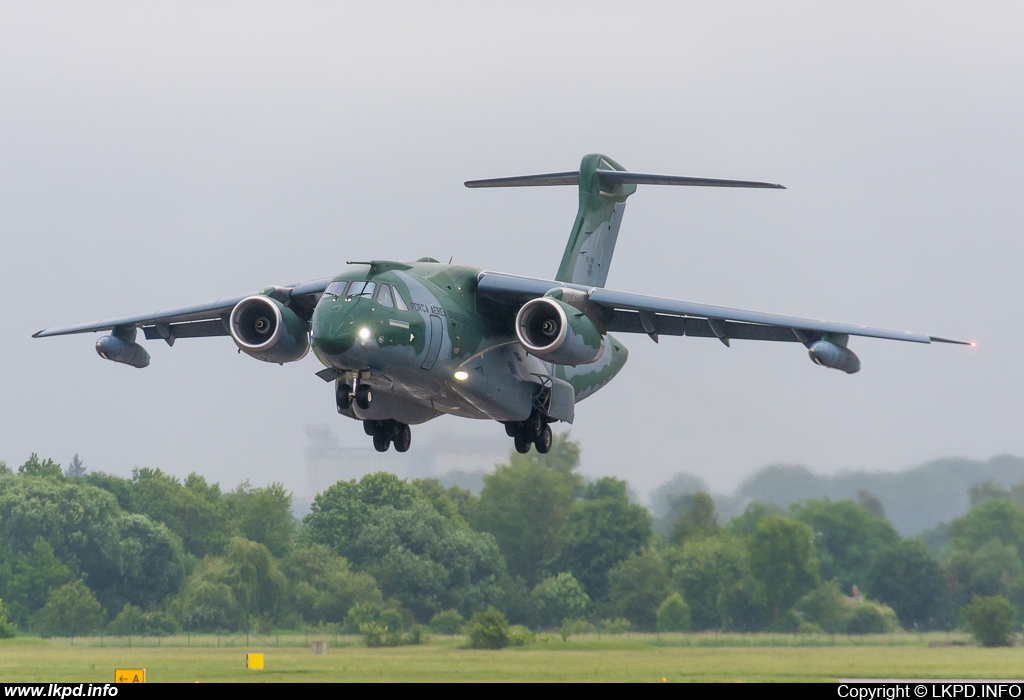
[(160, 155)]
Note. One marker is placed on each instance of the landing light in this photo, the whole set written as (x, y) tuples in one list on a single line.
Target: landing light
[(461, 375), (364, 333)]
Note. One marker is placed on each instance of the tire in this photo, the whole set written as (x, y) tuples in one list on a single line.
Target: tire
[(381, 441), (522, 444), (512, 429), (364, 396), (403, 437), (534, 425), (343, 396), (369, 427), (544, 440)]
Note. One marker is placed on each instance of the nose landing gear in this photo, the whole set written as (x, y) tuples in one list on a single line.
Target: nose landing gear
[(534, 431), (386, 432)]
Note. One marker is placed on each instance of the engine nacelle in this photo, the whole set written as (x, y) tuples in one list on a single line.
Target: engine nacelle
[(268, 330), (557, 332), (835, 356), (121, 347)]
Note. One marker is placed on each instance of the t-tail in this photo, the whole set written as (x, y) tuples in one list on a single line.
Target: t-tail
[(604, 187)]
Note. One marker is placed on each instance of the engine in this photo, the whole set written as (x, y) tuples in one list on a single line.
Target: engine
[(835, 356), (557, 332), (268, 330), (120, 346)]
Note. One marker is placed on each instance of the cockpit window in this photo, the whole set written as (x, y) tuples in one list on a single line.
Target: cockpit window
[(384, 297), (399, 301), (336, 289), (361, 290)]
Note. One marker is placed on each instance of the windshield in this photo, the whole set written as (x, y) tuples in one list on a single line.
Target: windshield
[(361, 289), (336, 289)]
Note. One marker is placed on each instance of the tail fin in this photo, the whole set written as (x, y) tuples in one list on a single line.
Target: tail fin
[(604, 186)]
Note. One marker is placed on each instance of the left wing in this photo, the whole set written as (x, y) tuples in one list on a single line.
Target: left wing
[(635, 313), (197, 321)]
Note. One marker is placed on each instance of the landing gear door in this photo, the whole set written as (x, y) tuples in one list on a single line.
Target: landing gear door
[(434, 344)]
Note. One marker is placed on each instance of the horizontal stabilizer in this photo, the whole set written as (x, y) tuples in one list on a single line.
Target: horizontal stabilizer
[(616, 177)]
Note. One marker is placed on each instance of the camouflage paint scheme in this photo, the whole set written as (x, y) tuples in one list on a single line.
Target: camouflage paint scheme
[(476, 335), (460, 345)]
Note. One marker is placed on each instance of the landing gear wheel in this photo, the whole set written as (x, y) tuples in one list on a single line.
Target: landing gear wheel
[(364, 396), (381, 439), (543, 441), (534, 425), (369, 427), (343, 396), (512, 429), (402, 437), (522, 444)]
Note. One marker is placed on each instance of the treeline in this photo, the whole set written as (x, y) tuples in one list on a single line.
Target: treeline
[(83, 551)]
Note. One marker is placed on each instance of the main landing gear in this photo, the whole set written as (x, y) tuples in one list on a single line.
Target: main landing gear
[(385, 432), (533, 431)]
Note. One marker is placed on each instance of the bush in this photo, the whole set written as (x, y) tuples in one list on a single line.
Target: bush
[(7, 630), (619, 625), (519, 636), (558, 598), (575, 626), (488, 629), (446, 622), (673, 614), (376, 634), (990, 619), (871, 618)]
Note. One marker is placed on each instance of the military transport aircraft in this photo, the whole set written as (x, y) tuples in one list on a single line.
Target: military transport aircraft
[(405, 342)]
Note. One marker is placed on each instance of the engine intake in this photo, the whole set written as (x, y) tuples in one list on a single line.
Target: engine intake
[(268, 330), (835, 356), (557, 332)]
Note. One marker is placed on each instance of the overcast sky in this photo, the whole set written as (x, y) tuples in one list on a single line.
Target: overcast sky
[(156, 155)]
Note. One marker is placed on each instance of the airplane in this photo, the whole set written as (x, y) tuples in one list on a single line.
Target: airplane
[(405, 342)]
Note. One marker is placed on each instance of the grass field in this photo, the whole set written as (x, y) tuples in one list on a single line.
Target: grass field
[(643, 658)]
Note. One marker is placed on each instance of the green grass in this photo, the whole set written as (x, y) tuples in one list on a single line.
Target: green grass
[(635, 657)]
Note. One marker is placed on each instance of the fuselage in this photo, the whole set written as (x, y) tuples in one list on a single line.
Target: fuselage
[(428, 344)]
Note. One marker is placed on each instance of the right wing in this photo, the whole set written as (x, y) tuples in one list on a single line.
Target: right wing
[(201, 320)]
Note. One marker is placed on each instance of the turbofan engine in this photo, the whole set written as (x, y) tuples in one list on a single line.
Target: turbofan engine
[(557, 332), (268, 330)]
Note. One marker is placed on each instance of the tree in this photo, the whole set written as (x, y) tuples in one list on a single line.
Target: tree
[(601, 531), (999, 517), (75, 469), (488, 630), (783, 559), (825, 606), (636, 587), (525, 503), (130, 621), (558, 598), (193, 510), (71, 610), (48, 469), (325, 587), (705, 568), (847, 538), (7, 629), (907, 578), (205, 603), (28, 577), (991, 620), (263, 515), (673, 614), (338, 515), (255, 578), (745, 524), (695, 518), (428, 562)]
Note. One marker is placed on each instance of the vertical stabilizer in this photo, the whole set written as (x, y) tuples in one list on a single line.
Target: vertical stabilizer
[(588, 252)]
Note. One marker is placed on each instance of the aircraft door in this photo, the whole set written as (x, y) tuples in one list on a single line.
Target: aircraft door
[(434, 342)]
